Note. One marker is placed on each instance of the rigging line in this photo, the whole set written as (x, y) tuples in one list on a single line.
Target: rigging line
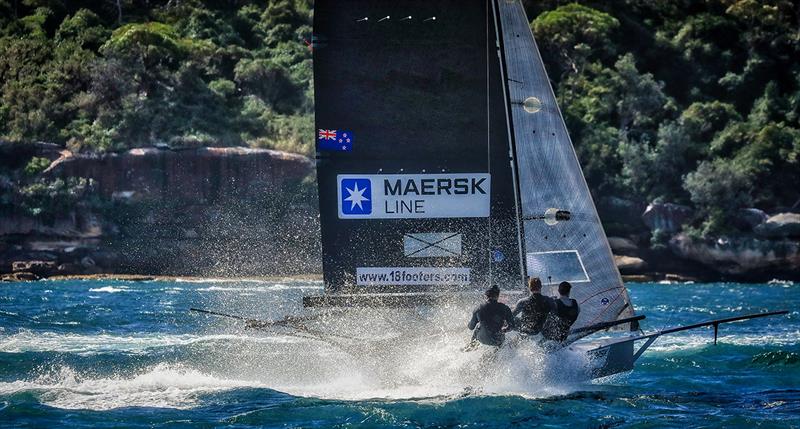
[(489, 148)]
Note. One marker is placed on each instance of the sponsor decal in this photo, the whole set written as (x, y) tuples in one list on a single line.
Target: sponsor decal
[(432, 244), (409, 196), (411, 276), (356, 197), (498, 256), (335, 140)]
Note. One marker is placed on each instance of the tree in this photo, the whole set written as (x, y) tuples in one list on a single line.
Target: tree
[(575, 33)]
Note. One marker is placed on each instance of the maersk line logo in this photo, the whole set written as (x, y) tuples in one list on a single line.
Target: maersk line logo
[(356, 197), (407, 196)]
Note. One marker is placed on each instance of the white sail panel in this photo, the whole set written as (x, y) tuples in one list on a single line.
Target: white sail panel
[(563, 237)]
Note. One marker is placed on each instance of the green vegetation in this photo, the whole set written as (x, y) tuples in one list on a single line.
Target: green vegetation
[(46, 199), (98, 76), (684, 101), (690, 102)]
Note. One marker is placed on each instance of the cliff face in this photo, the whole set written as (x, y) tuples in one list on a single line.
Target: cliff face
[(241, 211), (203, 175), (203, 211)]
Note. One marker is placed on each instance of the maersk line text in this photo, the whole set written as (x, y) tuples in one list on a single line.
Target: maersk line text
[(459, 186), (410, 196), (408, 206)]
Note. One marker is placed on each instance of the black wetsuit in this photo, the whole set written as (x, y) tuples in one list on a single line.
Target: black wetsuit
[(491, 316), (533, 312), (560, 320)]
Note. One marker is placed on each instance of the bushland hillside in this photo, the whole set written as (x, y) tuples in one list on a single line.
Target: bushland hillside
[(685, 115)]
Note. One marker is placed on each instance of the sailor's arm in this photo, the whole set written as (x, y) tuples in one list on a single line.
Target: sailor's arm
[(474, 321), (518, 307), (512, 324)]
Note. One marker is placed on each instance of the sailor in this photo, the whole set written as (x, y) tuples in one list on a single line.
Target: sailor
[(564, 313), (533, 310), (490, 319)]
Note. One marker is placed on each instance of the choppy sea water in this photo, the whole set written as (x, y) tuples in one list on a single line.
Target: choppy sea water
[(116, 353)]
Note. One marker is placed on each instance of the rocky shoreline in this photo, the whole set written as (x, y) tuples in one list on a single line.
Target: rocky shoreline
[(244, 212)]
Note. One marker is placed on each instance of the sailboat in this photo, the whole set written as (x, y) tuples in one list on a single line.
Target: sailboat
[(444, 166)]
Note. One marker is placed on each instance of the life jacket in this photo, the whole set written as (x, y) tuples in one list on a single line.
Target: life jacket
[(534, 313), (492, 315), (568, 314), (560, 320)]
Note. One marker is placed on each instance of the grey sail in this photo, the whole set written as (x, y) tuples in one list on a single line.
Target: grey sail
[(563, 239)]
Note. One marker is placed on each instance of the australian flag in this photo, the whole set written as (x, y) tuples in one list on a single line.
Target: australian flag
[(335, 140)]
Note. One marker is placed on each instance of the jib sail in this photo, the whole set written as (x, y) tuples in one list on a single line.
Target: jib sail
[(563, 239)]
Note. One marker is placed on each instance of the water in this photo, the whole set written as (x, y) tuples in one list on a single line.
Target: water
[(115, 353)]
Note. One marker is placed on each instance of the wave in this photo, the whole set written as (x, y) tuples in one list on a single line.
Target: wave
[(672, 343), (202, 280), (439, 372), (164, 385), (112, 289), (271, 288), (778, 357), (29, 341)]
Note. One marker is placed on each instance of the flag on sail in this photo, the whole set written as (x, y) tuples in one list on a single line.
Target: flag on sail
[(335, 140)]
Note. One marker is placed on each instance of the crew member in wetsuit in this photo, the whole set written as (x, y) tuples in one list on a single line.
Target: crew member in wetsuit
[(565, 312), (534, 309), (490, 318)]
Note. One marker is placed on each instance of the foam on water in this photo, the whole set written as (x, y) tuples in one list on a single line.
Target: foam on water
[(30, 341), (164, 385), (267, 288), (301, 367), (181, 358), (409, 356), (394, 364), (110, 289), (671, 343)]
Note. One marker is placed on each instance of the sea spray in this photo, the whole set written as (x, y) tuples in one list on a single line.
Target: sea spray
[(149, 362), (163, 385)]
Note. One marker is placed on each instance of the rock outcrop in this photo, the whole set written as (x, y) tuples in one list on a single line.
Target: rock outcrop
[(781, 225), (666, 217), (744, 257), (202, 211), (622, 246), (630, 264), (201, 175), (750, 218)]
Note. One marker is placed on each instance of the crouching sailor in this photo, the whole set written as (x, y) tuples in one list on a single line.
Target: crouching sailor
[(490, 318), (565, 312), (533, 311)]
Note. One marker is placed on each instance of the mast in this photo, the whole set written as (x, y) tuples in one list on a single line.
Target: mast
[(563, 239)]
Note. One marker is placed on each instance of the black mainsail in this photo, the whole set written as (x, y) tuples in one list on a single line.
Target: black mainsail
[(443, 161), (415, 183)]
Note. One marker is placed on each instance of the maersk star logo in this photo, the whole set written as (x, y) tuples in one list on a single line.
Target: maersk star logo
[(356, 196)]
